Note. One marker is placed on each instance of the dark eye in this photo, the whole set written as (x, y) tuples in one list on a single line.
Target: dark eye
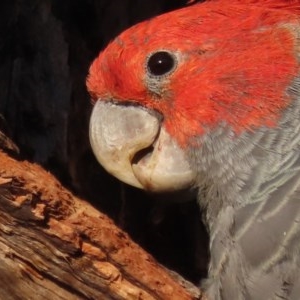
[(161, 63)]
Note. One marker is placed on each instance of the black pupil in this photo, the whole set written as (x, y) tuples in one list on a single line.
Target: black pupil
[(160, 63)]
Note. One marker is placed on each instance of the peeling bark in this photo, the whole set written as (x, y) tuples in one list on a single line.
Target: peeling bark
[(54, 245)]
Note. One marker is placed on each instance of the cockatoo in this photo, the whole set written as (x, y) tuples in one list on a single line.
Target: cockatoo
[(207, 97)]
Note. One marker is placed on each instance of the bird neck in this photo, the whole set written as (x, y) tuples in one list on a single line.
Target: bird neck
[(235, 171)]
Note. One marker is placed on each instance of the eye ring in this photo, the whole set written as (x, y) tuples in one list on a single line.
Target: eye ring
[(161, 63)]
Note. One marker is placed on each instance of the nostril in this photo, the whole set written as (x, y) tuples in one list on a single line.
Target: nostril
[(142, 155)]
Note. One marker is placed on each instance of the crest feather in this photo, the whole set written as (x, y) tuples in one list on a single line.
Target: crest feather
[(291, 5)]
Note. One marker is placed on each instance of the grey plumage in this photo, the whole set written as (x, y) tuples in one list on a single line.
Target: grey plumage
[(249, 189)]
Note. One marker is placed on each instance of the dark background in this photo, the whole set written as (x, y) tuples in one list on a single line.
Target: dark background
[(46, 47)]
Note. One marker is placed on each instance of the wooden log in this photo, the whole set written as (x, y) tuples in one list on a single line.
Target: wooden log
[(54, 245)]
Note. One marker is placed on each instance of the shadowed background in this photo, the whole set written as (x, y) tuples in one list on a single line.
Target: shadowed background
[(46, 47)]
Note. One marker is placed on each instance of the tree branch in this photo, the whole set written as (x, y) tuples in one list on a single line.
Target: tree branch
[(54, 245)]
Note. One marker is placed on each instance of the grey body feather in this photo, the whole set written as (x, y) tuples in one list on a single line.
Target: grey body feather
[(249, 190)]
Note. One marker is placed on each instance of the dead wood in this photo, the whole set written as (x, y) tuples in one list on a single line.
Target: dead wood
[(54, 245)]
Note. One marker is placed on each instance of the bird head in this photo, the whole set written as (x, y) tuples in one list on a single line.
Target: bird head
[(164, 85)]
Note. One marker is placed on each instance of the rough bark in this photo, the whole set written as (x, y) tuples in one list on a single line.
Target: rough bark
[(54, 245)]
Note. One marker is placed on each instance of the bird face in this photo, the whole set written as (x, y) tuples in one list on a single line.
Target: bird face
[(165, 83)]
